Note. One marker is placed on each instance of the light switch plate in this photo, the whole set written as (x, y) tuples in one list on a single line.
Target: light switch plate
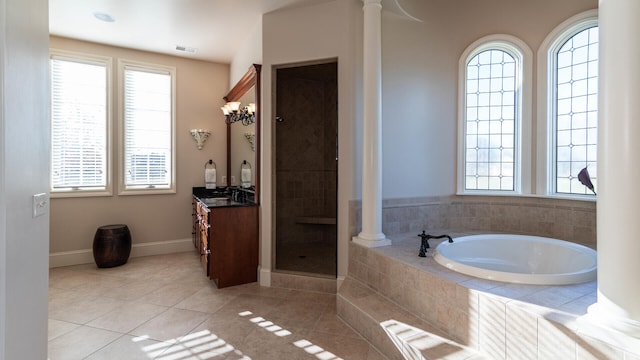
[(40, 204)]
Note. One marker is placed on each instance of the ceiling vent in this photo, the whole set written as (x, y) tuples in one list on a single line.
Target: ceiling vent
[(186, 49)]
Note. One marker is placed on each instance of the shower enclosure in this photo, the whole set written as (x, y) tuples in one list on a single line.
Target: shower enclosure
[(306, 169)]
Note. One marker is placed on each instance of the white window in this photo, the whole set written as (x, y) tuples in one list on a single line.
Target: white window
[(491, 116), (147, 106), (570, 105), (80, 124)]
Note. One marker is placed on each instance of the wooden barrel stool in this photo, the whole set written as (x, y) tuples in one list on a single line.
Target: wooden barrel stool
[(111, 245)]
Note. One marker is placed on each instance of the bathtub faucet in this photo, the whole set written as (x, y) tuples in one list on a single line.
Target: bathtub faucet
[(424, 245)]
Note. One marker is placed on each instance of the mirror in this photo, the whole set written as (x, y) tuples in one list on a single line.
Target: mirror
[(243, 146), (243, 141)]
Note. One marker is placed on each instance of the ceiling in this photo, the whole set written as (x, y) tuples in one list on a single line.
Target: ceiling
[(216, 29)]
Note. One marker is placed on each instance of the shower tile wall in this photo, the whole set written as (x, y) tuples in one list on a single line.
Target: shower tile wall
[(570, 220), (305, 167)]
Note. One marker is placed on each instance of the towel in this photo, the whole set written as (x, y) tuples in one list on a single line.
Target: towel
[(210, 178), (245, 178)]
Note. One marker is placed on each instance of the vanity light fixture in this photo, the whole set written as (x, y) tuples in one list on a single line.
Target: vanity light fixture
[(233, 113), (200, 136)]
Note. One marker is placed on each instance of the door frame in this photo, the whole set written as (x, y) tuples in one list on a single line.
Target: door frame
[(274, 97)]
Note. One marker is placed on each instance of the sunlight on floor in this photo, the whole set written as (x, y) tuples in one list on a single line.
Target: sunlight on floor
[(154, 308), (206, 345), (306, 345), (415, 343), (268, 325), (199, 345), (316, 350)]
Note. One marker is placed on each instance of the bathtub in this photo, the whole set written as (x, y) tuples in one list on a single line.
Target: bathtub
[(519, 259)]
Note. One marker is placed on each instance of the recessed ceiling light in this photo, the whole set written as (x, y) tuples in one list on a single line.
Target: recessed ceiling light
[(187, 49), (103, 17)]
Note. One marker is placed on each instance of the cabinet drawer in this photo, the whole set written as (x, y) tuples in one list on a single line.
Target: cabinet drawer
[(205, 254), (204, 247), (201, 225)]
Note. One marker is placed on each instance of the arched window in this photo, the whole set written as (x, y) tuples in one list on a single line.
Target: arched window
[(571, 106), (491, 115)]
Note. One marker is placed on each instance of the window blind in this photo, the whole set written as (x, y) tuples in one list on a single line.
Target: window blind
[(147, 128), (78, 125)]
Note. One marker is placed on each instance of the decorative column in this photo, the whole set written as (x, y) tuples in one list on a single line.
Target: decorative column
[(371, 234), (618, 172)]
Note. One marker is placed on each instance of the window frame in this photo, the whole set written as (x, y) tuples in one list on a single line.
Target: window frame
[(546, 169), (107, 62), (522, 137), (124, 189)]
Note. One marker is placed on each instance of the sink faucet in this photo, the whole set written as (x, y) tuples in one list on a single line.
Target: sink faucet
[(424, 245)]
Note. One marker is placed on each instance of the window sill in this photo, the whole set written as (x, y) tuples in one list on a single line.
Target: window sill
[(145, 191), (586, 198), (79, 193)]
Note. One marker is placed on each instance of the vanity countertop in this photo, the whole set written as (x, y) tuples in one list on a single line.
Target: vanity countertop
[(217, 198)]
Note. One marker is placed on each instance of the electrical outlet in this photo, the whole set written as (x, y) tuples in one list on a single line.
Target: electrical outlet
[(233, 180), (224, 180), (40, 204)]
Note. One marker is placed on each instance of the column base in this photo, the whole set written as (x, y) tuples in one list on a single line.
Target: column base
[(264, 277), (607, 314), (370, 241)]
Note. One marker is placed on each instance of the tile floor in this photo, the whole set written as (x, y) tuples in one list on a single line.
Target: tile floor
[(314, 258), (163, 307)]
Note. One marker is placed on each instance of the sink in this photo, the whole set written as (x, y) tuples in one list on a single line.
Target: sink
[(217, 201)]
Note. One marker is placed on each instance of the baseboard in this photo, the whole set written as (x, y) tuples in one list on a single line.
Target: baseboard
[(303, 282), (162, 247), (85, 256), (66, 258), (264, 277)]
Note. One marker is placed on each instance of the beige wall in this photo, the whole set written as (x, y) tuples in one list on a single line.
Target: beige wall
[(24, 171), (420, 77), (320, 31), (250, 53), (200, 87), (420, 66)]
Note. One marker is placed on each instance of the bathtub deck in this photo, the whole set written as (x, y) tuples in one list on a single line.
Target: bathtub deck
[(500, 320)]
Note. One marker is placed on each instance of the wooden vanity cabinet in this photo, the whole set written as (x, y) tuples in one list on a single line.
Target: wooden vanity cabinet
[(227, 239), (234, 245)]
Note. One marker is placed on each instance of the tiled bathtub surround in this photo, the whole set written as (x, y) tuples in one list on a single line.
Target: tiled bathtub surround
[(571, 220), (500, 320)]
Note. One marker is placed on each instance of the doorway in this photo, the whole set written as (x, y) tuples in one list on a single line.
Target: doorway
[(306, 169)]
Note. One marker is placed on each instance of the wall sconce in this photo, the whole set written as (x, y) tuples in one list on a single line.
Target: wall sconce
[(233, 113), (251, 139), (200, 136)]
